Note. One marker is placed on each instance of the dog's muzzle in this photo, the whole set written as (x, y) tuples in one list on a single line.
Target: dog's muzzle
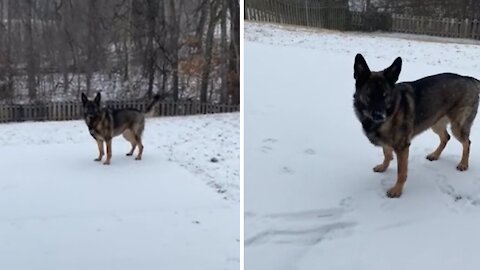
[(378, 117), (88, 119)]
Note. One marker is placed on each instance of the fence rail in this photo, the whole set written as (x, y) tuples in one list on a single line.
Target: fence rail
[(57, 111), (311, 14)]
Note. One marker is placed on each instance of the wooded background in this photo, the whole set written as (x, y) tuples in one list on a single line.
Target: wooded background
[(129, 49)]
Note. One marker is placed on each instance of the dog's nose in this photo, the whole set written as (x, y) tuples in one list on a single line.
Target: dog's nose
[(378, 116)]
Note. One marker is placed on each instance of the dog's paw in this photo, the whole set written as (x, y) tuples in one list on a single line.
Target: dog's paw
[(380, 168), (98, 159), (138, 158), (432, 157), (106, 163), (462, 167), (129, 154), (394, 192)]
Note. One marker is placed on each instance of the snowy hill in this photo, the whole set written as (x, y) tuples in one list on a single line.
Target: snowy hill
[(312, 200)]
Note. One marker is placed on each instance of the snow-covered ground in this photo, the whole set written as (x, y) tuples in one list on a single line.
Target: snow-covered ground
[(175, 209), (312, 200)]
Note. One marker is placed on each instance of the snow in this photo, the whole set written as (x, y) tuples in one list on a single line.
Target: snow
[(312, 200), (175, 209)]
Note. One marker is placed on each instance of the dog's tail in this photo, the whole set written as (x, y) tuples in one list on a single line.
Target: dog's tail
[(149, 112)]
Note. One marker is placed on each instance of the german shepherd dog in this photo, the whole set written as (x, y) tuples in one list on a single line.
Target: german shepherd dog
[(106, 123), (393, 113)]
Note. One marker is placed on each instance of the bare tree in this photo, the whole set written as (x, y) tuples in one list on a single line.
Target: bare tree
[(30, 50), (9, 87), (234, 68), (225, 53), (213, 18)]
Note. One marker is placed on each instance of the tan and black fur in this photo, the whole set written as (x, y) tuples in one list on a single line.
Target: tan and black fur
[(393, 113), (105, 123)]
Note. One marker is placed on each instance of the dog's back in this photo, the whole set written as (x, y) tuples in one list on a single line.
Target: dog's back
[(131, 119), (440, 95)]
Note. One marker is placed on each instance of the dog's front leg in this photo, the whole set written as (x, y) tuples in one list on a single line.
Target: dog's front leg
[(109, 151), (100, 150), (387, 157), (402, 166)]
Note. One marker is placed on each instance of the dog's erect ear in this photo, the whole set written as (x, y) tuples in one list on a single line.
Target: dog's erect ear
[(84, 99), (97, 99), (392, 72), (361, 72)]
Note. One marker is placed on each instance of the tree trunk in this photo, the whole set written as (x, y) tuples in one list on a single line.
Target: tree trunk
[(126, 60), (64, 48), (91, 43), (31, 61), (224, 49), (202, 20), (10, 89), (208, 54), (175, 35), (234, 68), (127, 41), (151, 52)]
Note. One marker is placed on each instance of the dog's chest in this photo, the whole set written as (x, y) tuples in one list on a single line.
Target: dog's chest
[(96, 134), (375, 137), (391, 133), (378, 135), (100, 131)]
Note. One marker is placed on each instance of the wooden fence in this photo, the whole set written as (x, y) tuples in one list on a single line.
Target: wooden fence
[(311, 14), (300, 12), (445, 27), (68, 110)]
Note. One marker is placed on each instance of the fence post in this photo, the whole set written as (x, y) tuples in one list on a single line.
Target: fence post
[(475, 29), (395, 22), (290, 13), (306, 13)]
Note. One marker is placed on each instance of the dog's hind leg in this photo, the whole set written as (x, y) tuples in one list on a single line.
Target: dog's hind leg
[(129, 136), (100, 150), (462, 136), (140, 147), (137, 133), (109, 151), (461, 124), (440, 128), (387, 157), (133, 149)]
